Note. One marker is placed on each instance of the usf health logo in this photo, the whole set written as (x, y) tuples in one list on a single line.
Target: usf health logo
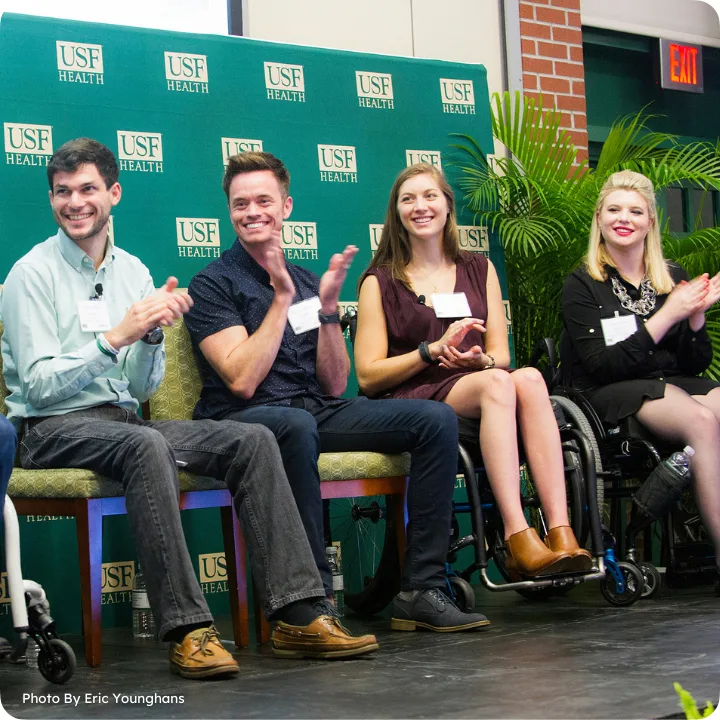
[(284, 82), (458, 96), (432, 157), (235, 146), (28, 144), (474, 238), (140, 151), (117, 582), (508, 316), (374, 90), (185, 72), (338, 163), (213, 572), (198, 237), (375, 235), (299, 240), (4, 595), (79, 63)]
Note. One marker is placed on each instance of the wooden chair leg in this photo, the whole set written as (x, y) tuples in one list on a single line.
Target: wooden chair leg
[(235, 556), (89, 534)]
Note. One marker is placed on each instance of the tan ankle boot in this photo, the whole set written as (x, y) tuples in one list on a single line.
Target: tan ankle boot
[(562, 539), (527, 555)]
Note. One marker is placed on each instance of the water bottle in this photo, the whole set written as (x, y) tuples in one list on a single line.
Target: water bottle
[(143, 620), (665, 484), (31, 654), (679, 462), (335, 563)]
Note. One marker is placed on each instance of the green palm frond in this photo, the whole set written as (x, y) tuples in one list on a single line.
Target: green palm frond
[(541, 201)]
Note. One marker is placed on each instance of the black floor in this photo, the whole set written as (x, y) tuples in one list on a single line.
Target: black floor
[(572, 657)]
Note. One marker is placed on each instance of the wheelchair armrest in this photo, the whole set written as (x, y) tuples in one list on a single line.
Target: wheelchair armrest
[(544, 347)]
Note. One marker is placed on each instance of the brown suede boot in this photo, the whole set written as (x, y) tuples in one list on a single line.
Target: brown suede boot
[(562, 539), (527, 555)]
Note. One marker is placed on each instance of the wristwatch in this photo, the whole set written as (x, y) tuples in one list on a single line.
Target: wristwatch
[(154, 336), (329, 319)]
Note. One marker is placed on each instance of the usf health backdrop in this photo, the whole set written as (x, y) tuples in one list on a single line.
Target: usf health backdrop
[(173, 107)]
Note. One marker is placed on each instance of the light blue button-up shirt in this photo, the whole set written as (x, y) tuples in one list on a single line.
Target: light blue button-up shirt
[(51, 366)]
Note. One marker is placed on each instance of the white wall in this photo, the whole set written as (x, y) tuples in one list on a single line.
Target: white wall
[(456, 30), (685, 20), (201, 16)]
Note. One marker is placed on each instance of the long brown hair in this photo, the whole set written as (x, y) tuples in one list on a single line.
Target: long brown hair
[(394, 250)]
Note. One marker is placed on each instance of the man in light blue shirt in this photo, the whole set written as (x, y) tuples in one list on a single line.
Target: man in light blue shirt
[(82, 348)]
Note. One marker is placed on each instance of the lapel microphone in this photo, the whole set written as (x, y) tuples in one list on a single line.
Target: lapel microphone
[(421, 299), (98, 292)]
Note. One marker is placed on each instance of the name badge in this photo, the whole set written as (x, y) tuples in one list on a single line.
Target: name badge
[(94, 316), (450, 305), (618, 328), (303, 316)]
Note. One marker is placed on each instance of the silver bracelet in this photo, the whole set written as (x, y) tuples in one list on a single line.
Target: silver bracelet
[(491, 364)]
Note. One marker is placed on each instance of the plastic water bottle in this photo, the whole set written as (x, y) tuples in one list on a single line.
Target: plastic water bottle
[(335, 563), (31, 654), (665, 485), (679, 462), (143, 620)]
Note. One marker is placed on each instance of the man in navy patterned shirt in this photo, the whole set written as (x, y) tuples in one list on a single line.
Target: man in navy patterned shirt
[(268, 339)]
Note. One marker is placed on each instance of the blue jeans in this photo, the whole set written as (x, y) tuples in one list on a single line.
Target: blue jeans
[(8, 446), (141, 455), (425, 428)]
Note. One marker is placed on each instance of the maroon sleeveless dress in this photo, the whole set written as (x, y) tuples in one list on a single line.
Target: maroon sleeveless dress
[(409, 323)]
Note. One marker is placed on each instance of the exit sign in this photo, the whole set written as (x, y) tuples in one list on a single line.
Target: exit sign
[(681, 66)]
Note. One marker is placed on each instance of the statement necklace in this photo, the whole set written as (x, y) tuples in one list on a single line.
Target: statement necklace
[(644, 304)]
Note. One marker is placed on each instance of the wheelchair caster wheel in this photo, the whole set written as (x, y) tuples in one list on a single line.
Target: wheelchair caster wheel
[(652, 579), (462, 593), (633, 583), (58, 665)]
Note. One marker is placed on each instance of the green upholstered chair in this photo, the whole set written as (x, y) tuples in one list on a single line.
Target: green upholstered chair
[(89, 497), (343, 475)]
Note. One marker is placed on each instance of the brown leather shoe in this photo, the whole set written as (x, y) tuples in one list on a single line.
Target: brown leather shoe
[(527, 555), (562, 539), (324, 638), (201, 655)]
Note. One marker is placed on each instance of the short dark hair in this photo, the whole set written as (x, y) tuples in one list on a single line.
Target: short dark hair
[(84, 151), (253, 161)]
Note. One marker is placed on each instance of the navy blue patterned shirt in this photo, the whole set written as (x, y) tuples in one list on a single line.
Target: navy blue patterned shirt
[(235, 290)]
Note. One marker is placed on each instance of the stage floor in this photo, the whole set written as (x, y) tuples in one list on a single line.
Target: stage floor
[(572, 657)]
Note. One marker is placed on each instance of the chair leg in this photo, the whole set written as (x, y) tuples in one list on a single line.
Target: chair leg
[(235, 556), (400, 526), (89, 534)]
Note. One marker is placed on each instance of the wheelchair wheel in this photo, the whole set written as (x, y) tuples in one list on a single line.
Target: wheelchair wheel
[(634, 584), (59, 667), (652, 579), (575, 416), (366, 529), (462, 593), (575, 489)]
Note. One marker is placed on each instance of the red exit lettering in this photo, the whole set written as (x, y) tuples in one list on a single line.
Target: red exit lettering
[(683, 64)]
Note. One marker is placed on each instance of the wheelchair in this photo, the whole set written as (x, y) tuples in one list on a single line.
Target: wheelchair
[(31, 614), (625, 456), (621, 583)]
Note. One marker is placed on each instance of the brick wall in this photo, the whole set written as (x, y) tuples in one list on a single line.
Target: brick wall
[(552, 61)]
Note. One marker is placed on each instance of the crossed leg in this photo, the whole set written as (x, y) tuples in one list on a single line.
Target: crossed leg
[(695, 421)]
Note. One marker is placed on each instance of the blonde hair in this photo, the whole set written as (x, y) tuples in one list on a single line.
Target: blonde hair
[(394, 250), (598, 256)]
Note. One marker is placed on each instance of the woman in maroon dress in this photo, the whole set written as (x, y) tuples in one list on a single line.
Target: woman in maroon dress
[(403, 349)]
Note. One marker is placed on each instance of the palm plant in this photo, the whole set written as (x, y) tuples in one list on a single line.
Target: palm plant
[(540, 201)]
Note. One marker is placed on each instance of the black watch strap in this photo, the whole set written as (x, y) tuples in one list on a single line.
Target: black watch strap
[(329, 319)]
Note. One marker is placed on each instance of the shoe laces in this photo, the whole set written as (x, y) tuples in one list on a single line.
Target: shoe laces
[(209, 634), (325, 607), (441, 598)]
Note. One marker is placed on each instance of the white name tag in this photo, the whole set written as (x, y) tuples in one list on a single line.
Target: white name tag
[(618, 328), (94, 316), (303, 316), (450, 305)]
